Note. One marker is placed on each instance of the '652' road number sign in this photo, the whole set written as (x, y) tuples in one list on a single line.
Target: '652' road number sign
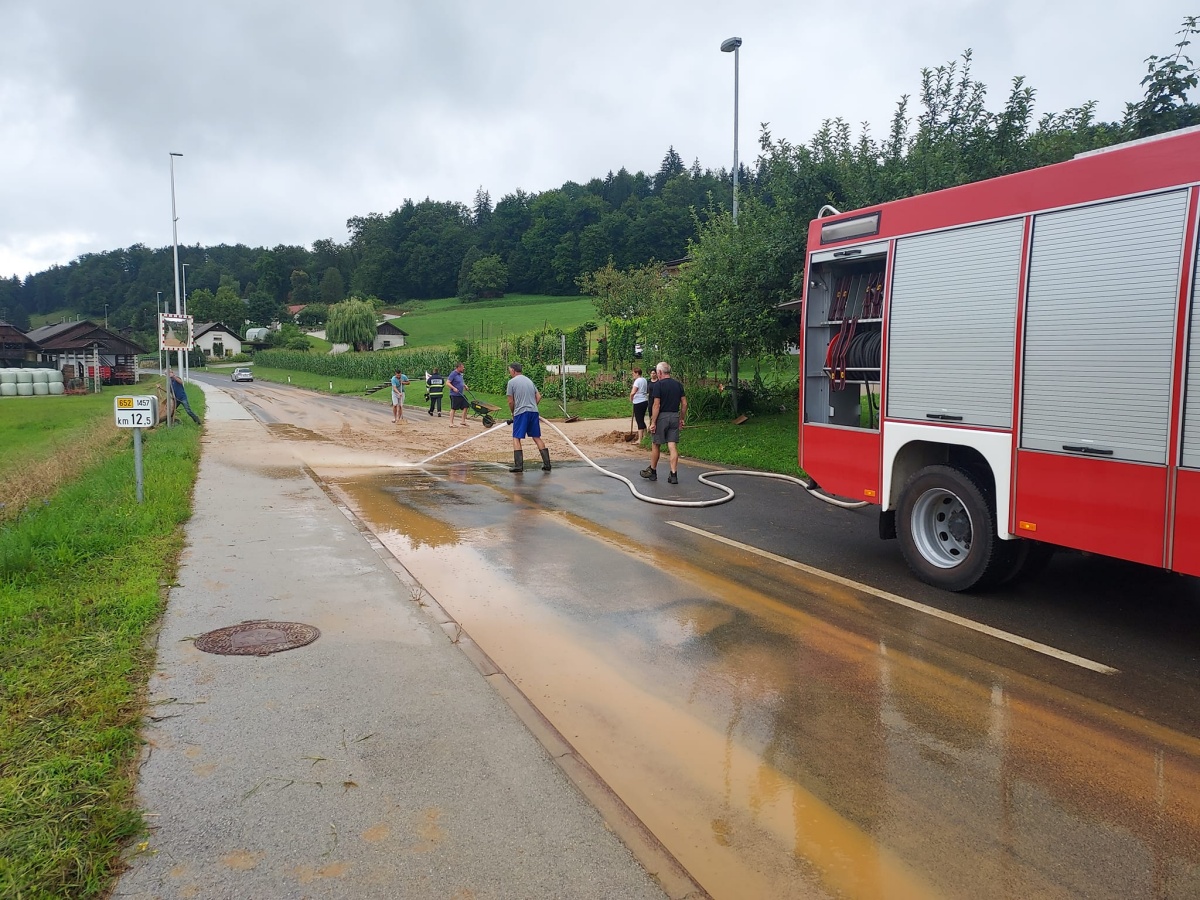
[(136, 412)]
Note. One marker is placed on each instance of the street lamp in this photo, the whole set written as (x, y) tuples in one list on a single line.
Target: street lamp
[(175, 241), (106, 317), (158, 312), (731, 45), (188, 361)]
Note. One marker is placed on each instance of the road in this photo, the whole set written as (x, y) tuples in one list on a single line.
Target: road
[(763, 683)]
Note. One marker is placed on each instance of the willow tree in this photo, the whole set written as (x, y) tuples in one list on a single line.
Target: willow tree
[(351, 322)]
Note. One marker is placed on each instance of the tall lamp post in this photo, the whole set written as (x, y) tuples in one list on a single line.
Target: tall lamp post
[(175, 242), (731, 45), (187, 361), (158, 311)]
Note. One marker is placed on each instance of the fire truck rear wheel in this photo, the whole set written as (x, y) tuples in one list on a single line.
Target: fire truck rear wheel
[(947, 530)]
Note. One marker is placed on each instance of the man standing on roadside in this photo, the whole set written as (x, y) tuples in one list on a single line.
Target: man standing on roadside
[(399, 380), (523, 399), (458, 394), (434, 385), (179, 397), (668, 408)]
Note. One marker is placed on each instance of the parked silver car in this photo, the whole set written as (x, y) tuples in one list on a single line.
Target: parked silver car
[(242, 374)]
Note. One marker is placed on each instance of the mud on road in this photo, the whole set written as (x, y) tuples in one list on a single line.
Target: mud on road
[(338, 432)]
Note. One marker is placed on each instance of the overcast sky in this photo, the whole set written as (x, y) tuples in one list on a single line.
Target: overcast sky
[(292, 117)]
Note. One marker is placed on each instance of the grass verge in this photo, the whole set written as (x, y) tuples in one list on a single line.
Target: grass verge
[(768, 443), (80, 589), (49, 441)]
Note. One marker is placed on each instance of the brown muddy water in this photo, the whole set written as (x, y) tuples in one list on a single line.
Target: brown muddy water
[(776, 736)]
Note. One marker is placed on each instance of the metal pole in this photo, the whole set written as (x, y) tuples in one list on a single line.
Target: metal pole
[(158, 311), (137, 461), (562, 372), (734, 44), (175, 242), (187, 361), (736, 60)]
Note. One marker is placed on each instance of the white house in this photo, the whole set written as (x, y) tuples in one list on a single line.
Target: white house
[(388, 336), (216, 340)]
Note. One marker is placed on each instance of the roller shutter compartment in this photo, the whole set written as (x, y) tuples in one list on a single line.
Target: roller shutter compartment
[(1191, 401), (1100, 327), (952, 325)]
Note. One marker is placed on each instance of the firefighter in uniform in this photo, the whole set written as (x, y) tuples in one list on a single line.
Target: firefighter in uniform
[(435, 384)]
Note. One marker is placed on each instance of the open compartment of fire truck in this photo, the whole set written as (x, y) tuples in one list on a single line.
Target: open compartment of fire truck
[(844, 337)]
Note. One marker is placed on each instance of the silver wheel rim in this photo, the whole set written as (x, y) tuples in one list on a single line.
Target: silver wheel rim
[(941, 529)]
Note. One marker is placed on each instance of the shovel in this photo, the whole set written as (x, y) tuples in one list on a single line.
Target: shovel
[(632, 436)]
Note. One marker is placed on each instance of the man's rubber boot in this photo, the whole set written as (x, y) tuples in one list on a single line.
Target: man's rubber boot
[(545, 459), (518, 461)]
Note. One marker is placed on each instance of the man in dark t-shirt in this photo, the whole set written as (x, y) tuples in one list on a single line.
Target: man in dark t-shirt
[(668, 408)]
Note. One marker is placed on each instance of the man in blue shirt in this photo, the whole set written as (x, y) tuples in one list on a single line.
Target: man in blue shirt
[(399, 380), (458, 394), (179, 396)]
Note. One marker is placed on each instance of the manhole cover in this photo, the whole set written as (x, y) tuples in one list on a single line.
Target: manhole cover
[(257, 638)]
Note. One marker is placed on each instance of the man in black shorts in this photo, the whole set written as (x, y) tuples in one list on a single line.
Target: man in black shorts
[(668, 407), (458, 394)]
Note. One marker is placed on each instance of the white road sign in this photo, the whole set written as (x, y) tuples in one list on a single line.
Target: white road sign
[(136, 412)]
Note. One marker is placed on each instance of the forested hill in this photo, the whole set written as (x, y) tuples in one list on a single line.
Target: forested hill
[(542, 243), (545, 241)]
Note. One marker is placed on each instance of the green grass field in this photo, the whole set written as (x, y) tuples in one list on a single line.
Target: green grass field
[(80, 576), (31, 427), (438, 323)]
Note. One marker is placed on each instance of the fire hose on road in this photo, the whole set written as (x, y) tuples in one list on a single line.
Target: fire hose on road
[(704, 478)]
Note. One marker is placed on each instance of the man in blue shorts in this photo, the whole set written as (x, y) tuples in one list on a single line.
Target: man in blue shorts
[(523, 399)]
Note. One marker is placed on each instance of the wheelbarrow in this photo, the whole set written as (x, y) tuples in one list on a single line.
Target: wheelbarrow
[(483, 409)]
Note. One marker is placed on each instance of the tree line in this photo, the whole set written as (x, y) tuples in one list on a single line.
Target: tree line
[(610, 236), (723, 301)]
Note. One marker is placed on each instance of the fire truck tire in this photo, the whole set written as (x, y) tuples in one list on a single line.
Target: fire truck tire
[(947, 530)]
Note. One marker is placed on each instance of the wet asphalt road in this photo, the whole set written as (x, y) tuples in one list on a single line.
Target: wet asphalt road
[(786, 735)]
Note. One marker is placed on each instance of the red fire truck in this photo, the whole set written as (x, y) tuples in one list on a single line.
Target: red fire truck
[(1013, 365)]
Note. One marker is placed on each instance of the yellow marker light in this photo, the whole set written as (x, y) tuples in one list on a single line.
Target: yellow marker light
[(1027, 526), (867, 492)]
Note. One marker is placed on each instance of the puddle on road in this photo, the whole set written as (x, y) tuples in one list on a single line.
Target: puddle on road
[(395, 523), (798, 747)]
